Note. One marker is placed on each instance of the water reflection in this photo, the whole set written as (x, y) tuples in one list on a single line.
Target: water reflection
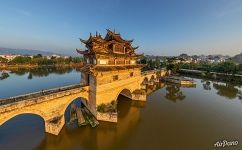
[(22, 132), (42, 72), (174, 93), (30, 76), (106, 136), (37, 72), (227, 90), (151, 88), (34, 80), (4, 75), (206, 84)]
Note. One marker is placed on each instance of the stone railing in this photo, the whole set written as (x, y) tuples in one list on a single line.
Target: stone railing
[(150, 72), (42, 93)]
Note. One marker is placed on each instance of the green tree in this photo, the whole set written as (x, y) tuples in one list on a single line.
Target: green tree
[(38, 56), (3, 60), (157, 62), (21, 60), (172, 64), (240, 68), (77, 59), (143, 60), (227, 67)]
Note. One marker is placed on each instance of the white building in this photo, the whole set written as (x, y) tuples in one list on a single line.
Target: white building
[(9, 57)]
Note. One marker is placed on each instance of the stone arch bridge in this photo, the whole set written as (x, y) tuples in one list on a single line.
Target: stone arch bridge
[(52, 104)]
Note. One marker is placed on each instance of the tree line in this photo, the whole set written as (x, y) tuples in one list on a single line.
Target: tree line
[(228, 66), (41, 60)]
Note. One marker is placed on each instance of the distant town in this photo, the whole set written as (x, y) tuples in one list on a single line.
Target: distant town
[(185, 58), (10, 57), (14, 59), (10, 54), (207, 63)]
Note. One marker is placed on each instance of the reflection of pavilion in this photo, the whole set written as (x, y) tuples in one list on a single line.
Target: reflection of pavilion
[(128, 116)]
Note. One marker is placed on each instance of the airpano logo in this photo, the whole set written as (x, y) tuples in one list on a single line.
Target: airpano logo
[(225, 143)]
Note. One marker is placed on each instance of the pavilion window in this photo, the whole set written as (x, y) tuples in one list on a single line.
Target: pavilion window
[(103, 62), (120, 62), (118, 49), (127, 62), (88, 60), (132, 62), (111, 62)]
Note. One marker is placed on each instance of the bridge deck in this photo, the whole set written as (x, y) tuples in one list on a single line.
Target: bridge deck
[(38, 94)]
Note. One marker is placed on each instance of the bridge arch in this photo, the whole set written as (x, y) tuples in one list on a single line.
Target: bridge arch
[(32, 126), (152, 77), (125, 92), (145, 80), (71, 101), (14, 114)]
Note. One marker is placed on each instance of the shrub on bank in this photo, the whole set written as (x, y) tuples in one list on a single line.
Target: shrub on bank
[(107, 108)]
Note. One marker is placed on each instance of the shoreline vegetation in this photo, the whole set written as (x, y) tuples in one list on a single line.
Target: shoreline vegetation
[(34, 66), (39, 61), (38, 71), (226, 71), (234, 79)]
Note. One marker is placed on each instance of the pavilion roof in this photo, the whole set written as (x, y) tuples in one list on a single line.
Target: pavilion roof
[(98, 45), (115, 36)]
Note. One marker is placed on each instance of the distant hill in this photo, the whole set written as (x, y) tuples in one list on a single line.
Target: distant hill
[(237, 58), (25, 52)]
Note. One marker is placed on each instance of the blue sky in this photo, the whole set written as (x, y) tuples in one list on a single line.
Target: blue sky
[(159, 27)]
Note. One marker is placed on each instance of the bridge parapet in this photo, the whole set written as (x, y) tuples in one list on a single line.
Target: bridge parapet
[(41, 94), (39, 97), (157, 72), (148, 72)]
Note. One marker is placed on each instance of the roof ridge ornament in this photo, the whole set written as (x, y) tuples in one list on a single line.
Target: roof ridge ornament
[(83, 41), (96, 44), (136, 47)]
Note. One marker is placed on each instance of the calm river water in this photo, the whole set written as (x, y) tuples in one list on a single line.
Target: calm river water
[(173, 118)]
